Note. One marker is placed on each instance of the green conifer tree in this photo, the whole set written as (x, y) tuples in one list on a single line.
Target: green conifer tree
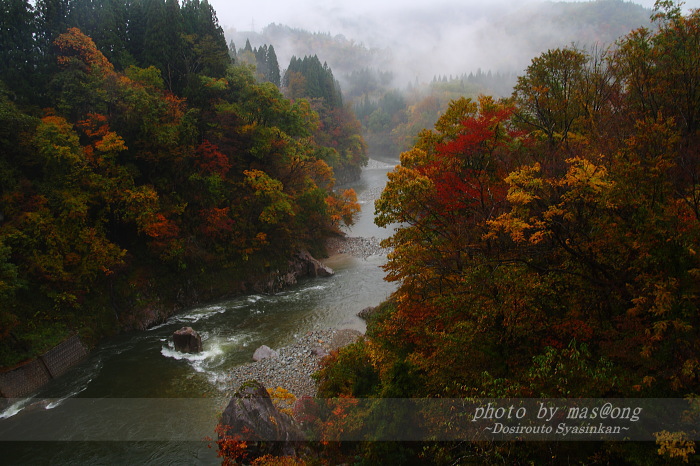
[(273, 67), (17, 45)]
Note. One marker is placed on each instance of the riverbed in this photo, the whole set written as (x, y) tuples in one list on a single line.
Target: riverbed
[(136, 400)]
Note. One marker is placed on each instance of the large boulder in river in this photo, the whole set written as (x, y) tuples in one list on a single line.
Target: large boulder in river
[(187, 340), (264, 352), (250, 416)]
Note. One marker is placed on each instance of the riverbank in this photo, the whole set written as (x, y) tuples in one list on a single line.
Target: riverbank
[(294, 364)]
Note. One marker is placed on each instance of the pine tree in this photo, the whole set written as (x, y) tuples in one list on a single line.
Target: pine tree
[(232, 53), (261, 62), (105, 22), (206, 51), (273, 67), (136, 21), (52, 21), (163, 40), (17, 45)]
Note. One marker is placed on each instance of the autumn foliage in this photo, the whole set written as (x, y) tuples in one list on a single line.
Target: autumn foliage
[(119, 187), (548, 243)]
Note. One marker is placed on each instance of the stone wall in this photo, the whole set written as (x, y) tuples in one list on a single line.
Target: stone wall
[(32, 375)]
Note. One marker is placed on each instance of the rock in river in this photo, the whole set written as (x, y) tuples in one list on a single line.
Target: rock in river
[(264, 352), (187, 340)]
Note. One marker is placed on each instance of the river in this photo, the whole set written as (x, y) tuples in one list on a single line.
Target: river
[(137, 387)]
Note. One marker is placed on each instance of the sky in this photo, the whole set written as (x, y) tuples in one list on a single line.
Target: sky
[(334, 15)]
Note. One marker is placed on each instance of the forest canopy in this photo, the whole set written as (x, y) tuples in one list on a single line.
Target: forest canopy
[(547, 247)]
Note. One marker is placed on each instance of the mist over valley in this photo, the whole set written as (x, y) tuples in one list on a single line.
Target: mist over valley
[(416, 44)]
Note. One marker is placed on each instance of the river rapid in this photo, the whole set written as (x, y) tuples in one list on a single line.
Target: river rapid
[(136, 400)]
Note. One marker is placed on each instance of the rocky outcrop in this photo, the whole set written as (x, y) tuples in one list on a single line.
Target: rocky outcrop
[(264, 352), (366, 313), (250, 416), (187, 340), (306, 266), (301, 265)]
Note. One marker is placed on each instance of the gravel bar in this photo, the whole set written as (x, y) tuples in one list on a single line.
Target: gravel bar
[(294, 364), (357, 246)]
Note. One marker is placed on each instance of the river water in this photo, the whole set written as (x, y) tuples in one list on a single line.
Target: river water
[(130, 386)]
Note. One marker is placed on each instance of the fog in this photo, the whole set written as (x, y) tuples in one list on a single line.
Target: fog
[(424, 38), (342, 17)]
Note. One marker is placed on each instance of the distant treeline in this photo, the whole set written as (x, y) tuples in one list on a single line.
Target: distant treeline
[(499, 84)]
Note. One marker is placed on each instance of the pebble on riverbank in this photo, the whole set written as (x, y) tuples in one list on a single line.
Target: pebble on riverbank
[(356, 246), (294, 364)]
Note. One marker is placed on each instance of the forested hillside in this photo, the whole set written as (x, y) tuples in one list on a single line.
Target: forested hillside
[(141, 169), (415, 63), (547, 249)]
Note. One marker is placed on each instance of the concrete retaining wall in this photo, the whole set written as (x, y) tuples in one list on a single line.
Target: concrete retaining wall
[(32, 375)]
